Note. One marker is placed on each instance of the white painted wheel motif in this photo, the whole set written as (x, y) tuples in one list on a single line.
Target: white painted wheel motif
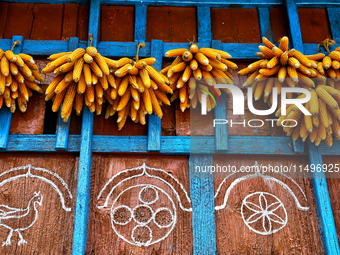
[(263, 213), (150, 221)]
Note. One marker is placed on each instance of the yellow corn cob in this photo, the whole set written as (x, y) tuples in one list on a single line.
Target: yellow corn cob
[(23, 90), (87, 58), (162, 96), (331, 73), (222, 53), (316, 56), (78, 104), (66, 67), (102, 63), (244, 71), (81, 84), (197, 74), (68, 100), (305, 80), (335, 55), (154, 74), (175, 62), (327, 98), (260, 55), (207, 68), (293, 62), (148, 61), (155, 105), (111, 80), (320, 68), (62, 86), (305, 70), (336, 127), (277, 51), (19, 61), (302, 58), (202, 59), (38, 76), (122, 62), (218, 65), (210, 53), (193, 48), (175, 52), (99, 90), (96, 69), (22, 104), (87, 74), (284, 58), (266, 51), (229, 64), (58, 55), (34, 86), (90, 93), (104, 82), (323, 113), (187, 56), (7, 93), (94, 79), (267, 43), (13, 68), (133, 71), (186, 74), (314, 104), (14, 94), (76, 54), (193, 64), (92, 51), (179, 67), (284, 43), (124, 70), (123, 86), (133, 81), (308, 119), (335, 64), (327, 62), (282, 74), (322, 132), (10, 56), (268, 89), (8, 81), (144, 75), (4, 66), (68, 76), (19, 77), (270, 72), (78, 67), (147, 101), (259, 89)]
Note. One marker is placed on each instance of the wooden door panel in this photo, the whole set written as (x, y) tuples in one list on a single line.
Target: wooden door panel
[(37, 201)]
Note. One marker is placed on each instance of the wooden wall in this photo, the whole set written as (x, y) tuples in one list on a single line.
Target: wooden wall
[(170, 24)]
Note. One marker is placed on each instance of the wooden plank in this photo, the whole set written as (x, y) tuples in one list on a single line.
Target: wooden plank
[(140, 23), (323, 204), (101, 232), (278, 22), (70, 19), (333, 17), (235, 25), (83, 22), (154, 122), (117, 23), (85, 158), (51, 231), (203, 208), (48, 1), (3, 17), (167, 23), (314, 25), (63, 128), (299, 235), (17, 15), (220, 112), (47, 22), (265, 26), (204, 24), (5, 113)]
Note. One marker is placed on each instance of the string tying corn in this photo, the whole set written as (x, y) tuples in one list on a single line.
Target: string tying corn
[(18, 77)]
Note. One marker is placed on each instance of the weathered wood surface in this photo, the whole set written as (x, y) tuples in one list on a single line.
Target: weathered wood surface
[(299, 236), (278, 22), (101, 237), (52, 232)]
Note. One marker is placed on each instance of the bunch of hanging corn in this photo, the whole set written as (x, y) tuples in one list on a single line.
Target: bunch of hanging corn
[(196, 71), (323, 105), (286, 68), (139, 90), (17, 79), (82, 76)]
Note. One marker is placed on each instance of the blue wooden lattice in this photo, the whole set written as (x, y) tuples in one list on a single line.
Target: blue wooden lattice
[(203, 202)]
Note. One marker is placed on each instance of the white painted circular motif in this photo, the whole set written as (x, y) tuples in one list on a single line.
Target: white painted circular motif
[(154, 215), (263, 213)]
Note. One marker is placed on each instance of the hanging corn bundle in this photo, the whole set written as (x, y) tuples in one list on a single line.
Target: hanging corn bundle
[(323, 105), (140, 89), (83, 77), (195, 72), (290, 68), (17, 79)]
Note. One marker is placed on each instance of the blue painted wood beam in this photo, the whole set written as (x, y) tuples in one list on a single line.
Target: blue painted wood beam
[(5, 113), (259, 145), (154, 123), (296, 43), (220, 112), (264, 20), (140, 23), (85, 157), (323, 204), (204, 24), (203, 207), (63, 128), (334, 22)]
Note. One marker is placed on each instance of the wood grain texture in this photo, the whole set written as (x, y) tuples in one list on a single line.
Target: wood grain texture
[(278, 22), (3, 16), (314, 25), (167, 23), (83, 22), (53, 230), (300, 235), (117, 23), (102, 239), (235, 25), (70, 18)]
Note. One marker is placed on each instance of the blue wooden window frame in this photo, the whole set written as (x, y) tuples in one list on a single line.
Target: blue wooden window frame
[(201, 189)]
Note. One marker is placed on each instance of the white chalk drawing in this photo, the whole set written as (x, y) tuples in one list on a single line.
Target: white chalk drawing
[(271, 221), (9, 214), (264, 213), (145, 217)]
